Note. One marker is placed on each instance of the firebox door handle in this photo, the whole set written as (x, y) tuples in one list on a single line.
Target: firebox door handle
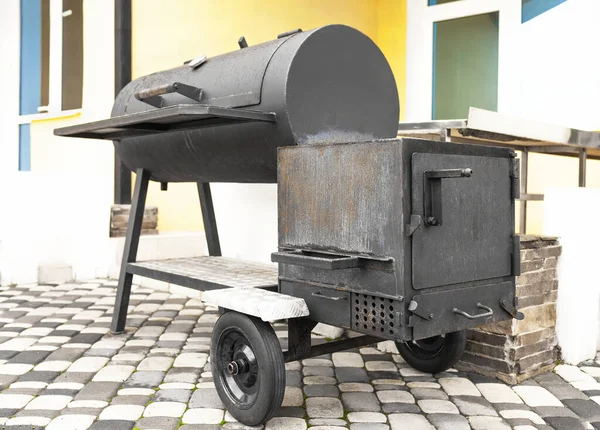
[(153, 96), (432, 192), (322, 296), (489, 312)]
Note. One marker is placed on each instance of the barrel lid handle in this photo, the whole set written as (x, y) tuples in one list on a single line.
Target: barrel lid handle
[(289, 33)]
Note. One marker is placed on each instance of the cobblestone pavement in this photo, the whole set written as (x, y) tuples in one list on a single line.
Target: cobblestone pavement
[(61, 369)]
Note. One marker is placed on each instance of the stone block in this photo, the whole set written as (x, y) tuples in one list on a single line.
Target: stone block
[(550, 263), (486, 350), (530, 266), (513, 350), (536, 277), (503, 328), (524, 351), (537, 253), (532, 337), (54, 273), (487, 338), (551, 296), (525, 302), (537, 288), (489, 362), (538, 360), (536, 317), (119, 217)]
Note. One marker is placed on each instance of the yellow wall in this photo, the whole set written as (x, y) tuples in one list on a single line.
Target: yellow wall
[(166, 33), (550, 171), (391, 39)]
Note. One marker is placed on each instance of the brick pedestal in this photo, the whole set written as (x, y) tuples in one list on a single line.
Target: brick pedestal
[(513, 350), (119, 217)]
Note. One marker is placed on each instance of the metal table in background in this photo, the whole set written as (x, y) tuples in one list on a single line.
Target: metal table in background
[(485, 127)]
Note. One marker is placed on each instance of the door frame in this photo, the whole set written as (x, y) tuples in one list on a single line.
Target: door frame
[(419, 50)]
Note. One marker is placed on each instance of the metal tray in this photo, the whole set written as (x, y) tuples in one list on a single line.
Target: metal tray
[(162, 120)]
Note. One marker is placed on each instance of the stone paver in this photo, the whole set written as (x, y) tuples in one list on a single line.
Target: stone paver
[(203, 416), (459, 387), (537, 396), (324, 407), (62, 369), (488, 423), (409, 421)]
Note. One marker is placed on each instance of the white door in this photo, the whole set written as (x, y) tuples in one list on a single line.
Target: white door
[(459, 54)]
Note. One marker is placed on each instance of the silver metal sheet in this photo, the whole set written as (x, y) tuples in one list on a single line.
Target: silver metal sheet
[(267, 305), (224, 271)]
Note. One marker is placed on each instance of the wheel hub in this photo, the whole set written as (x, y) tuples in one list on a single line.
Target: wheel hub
[(237, 367)]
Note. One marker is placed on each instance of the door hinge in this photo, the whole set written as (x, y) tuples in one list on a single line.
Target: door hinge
[(420, 310), (515, 169), (511, 308), (516, 255)]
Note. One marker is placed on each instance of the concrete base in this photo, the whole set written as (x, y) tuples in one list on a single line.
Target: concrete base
[(54, 273), (578, 314)]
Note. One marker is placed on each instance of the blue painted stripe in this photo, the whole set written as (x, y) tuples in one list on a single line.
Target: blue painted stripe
[(31, 56), (433, 65), (25, 147), (532, 8)]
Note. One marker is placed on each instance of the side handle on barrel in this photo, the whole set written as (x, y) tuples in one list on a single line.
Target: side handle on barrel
[(153, 96), (432, 192)]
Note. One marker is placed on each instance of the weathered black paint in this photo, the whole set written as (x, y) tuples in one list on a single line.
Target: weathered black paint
[(358, 199), (331, 84)]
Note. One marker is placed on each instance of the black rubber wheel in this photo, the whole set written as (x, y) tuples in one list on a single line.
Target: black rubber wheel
[(434, 354), (248, 367)]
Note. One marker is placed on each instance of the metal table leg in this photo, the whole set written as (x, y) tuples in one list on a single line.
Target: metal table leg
[(132, 239), (208, 217)]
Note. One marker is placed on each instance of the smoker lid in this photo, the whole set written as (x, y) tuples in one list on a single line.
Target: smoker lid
[(163, 120)]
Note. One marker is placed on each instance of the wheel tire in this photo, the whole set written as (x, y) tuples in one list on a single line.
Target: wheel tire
[(434, 354), (256, 393)]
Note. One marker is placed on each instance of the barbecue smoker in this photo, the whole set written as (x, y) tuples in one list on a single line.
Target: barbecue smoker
[(402, 239)]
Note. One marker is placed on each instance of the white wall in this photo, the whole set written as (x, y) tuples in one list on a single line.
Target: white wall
[(577, 317), (9, 73), (548, 68), (247, 220), (59, 212), (559, 79)]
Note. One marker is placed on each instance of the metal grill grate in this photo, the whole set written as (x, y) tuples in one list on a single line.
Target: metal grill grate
[(374, 315)]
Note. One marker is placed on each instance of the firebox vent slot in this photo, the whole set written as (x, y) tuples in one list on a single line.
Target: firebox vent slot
[(374, 315)]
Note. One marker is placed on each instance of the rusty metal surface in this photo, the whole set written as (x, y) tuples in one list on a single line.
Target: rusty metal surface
[(340, 197)]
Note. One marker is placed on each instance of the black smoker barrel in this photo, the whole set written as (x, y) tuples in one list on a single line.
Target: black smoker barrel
[(331, 84)]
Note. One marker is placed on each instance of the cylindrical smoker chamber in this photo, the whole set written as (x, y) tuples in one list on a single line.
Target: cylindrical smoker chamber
[(331, 84)]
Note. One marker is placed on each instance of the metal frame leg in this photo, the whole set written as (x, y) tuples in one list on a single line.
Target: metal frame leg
[(208, 217), (132, 240), (300, 347), (582, 167), (299, 341), (524, 174)]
